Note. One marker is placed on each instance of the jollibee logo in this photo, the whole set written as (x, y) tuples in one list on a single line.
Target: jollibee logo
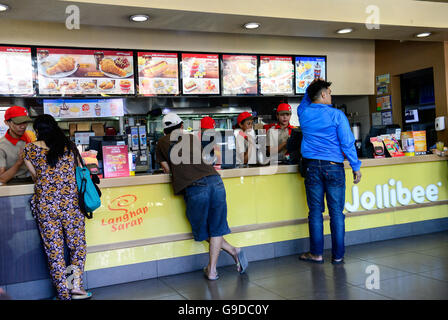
[(128, 216), (391, 194)]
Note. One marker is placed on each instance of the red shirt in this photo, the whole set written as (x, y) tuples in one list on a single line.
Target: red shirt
[(277, 126), (14, 140)]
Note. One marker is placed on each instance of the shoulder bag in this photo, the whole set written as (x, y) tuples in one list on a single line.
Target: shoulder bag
[(88, 191)]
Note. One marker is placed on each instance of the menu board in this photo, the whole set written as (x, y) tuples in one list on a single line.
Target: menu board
[(200, 73), (73, 71), (308, 69), (276, 75), (239, 74), (115, 161), (16, 71), (91, 108), (158, 73)]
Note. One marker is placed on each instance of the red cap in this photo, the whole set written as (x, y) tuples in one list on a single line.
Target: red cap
[(17, 115), (284, 107), (207, 123), (243, 116)]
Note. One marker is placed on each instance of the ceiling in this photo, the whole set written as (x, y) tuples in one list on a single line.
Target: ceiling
[(317, 18)]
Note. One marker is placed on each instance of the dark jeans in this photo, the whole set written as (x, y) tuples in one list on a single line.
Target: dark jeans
[(325, 178)]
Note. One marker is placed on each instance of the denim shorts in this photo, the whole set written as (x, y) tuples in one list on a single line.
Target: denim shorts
[(207, 208)]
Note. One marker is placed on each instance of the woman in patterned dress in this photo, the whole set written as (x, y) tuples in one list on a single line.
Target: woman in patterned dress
[(55, 207)]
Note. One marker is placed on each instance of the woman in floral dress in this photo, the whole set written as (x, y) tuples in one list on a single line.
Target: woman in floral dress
[(55, 207)]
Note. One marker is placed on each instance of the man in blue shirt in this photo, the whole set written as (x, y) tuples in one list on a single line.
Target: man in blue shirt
[(327, 140)]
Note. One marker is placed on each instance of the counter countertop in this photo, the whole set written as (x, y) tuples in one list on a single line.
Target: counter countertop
[(13, 190)]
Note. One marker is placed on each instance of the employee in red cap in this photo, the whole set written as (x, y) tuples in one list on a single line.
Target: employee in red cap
[(283, 129), (246, 152), (12, 166), (207, 123)]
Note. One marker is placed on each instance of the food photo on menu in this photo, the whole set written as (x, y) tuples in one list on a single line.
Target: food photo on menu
[(158, 73), (200, 73), (77, 71), (308, 69), (276, 75), (16, 71), (239, 74)]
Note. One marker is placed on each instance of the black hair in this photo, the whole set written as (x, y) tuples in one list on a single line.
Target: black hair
[(171, 129), (47, 129), (315, 89)]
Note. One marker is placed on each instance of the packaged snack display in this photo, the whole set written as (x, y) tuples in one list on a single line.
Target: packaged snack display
[(419, 142), (378, 147), (393, 146), (407, 143)]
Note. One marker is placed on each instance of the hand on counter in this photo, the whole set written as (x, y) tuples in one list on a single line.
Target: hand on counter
[(356, 177)]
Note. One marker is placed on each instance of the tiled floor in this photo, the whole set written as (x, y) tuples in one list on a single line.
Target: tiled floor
[(409, 268)]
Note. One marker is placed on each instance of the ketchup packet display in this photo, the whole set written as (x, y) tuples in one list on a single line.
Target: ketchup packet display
[(378, 147)]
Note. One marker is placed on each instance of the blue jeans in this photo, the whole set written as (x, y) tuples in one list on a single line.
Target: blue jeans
[(325, 178), (206, 204)]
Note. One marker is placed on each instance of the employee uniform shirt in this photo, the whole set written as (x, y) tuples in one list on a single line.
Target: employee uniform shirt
[(245, 141), (282, 136), (183, 174), (326, 133), (9, 154)]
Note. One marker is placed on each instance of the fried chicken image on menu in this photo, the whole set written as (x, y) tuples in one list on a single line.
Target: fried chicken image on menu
[(109, 66), (63, 65)]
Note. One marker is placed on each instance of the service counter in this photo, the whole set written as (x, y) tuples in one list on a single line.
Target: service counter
[(141, 231)]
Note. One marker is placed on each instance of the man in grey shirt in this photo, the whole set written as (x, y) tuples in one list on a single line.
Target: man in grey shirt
[(12, 167)]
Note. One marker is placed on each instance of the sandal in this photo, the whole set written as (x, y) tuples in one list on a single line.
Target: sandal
[(207, 277), (81, 296), (308, 258), (336, 262), (242, 263)]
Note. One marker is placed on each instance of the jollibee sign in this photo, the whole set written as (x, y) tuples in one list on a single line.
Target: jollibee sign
[(392, 194)]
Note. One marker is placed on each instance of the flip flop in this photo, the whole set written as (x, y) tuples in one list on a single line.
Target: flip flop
[(308, 258), (333, 261), (242, 262), (207, 277), (88, 295)]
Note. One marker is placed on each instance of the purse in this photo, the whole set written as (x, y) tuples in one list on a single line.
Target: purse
[(88, 191)]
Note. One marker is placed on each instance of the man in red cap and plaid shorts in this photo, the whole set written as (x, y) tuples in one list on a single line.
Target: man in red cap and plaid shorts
[(12, 167)]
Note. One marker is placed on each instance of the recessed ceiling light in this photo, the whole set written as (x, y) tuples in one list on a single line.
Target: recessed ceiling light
[(423, 34), (346, 30), (139, 18), (3, 7), (252, 25)]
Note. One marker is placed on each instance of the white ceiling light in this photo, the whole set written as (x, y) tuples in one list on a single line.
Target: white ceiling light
[(346, 30), (423, 34), (252, 25), (139, 18), (3, 7)]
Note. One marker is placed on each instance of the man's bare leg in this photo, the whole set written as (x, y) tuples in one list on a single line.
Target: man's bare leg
[(214, 250)]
